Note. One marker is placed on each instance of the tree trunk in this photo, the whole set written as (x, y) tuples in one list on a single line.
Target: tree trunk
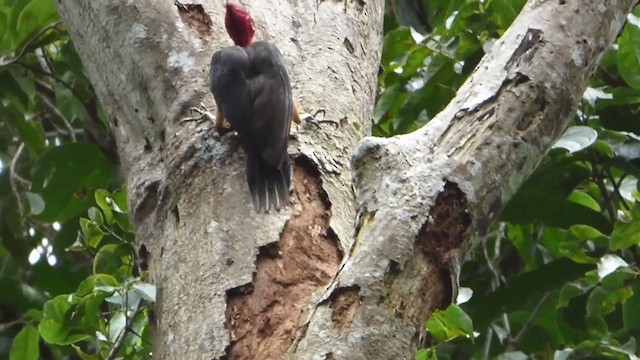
[(331, 277)]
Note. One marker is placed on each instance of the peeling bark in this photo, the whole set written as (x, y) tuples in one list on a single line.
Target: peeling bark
[(333, 276), (263, 318)]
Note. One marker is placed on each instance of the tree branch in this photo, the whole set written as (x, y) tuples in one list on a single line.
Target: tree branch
[(123, 333), (424, 197), (26, 46)]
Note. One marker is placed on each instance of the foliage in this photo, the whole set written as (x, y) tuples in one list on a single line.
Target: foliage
[(558, 277), (70, 287)]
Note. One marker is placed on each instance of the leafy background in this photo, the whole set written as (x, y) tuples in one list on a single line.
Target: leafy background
[(557, 277)]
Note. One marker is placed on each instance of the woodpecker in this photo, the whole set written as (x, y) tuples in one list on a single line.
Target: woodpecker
[(251, 87)]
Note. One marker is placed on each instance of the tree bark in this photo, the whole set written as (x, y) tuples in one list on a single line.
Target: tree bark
[(333, 276), (231, 283)]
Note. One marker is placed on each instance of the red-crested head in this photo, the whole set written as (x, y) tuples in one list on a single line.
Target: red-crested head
[(239, 25)]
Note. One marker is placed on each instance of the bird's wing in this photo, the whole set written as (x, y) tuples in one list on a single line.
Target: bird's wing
[(252, 89), (270, 91), (230, 86)]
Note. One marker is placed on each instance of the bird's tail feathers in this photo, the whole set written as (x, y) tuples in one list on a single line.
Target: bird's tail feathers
[(269, 186)]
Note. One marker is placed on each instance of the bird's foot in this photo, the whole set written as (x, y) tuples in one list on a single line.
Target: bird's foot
[(317, 120), (222, 130), (202, 114)]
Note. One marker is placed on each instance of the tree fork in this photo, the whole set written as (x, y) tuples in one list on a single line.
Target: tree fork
[(148, 66), (466, 163), (148, 62)]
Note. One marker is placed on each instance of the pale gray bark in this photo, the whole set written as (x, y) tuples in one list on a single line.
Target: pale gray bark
[(322, 293), (424, 197), (188, 197)]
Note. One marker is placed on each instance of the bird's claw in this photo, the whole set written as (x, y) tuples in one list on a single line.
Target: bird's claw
[(203, 114), (316, 120)]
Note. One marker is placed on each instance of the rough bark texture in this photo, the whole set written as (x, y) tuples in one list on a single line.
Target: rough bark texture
[(424, 197), (231, 283), (236, 285)]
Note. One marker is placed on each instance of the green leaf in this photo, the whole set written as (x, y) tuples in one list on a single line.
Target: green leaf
[(574, 246), (103, 198), (426, 354), (618, 278), (91, 232), (15, 7), (65, 177), (26, 83), (146, 291), (620, 118), (120, 199), (522, 287), (468, 18), (130, 299), (89, 284), (385, 101), (520, 236), (30, 133), (96, 216), (503, 12), (57, 280), (577, 138), (626, 233), (11, 89), (629, 54), (91, 314), (69, 104), (432, 97), (34, 16), (468, 46), (603, 148), (141, 326), (584, 199), (72, 63), (570, 291), (603, 301), (437, 329), (112, 259), (11, 233), (117, 325), (629, 188), (85, 356), (120, 208), (18, 295), (631, 309), (438, 11), (26, 344), (5, 44), (415, 61), (448, 324), (396, 45), (543, 197), (66, 236), (59, 324), (33, 314), (583, 232), (122, 219)]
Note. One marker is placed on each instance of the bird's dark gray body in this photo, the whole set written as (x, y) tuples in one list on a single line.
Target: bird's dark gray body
[(253, 92)]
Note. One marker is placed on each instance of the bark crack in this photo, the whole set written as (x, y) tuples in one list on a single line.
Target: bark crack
[(195, 17), (344, 303), (264, 318), (441, 238)]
